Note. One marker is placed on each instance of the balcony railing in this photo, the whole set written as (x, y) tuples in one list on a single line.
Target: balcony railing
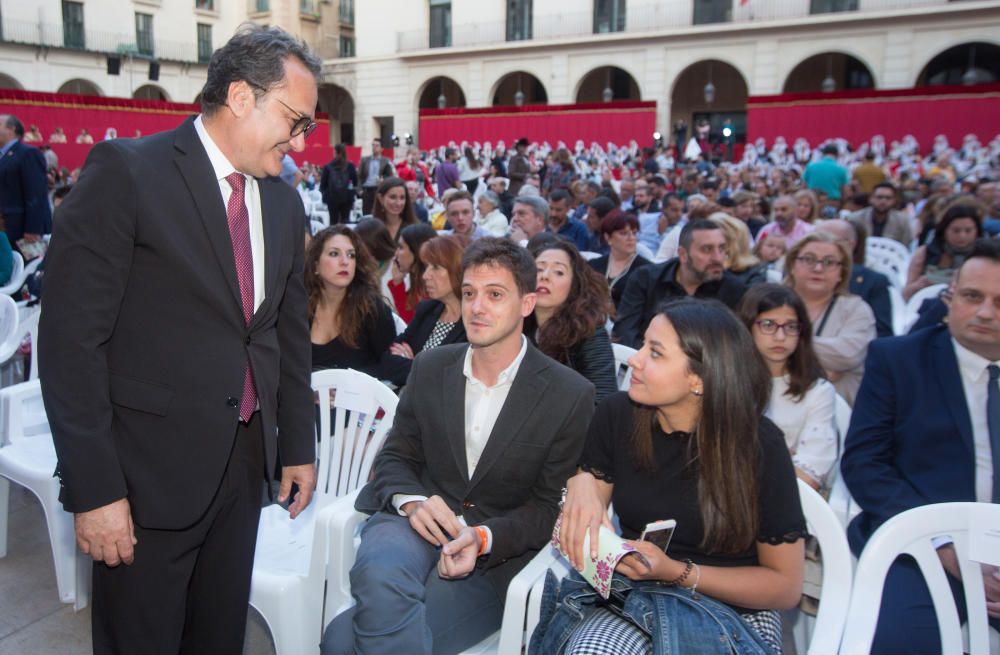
[(51, 35), (659, 16)]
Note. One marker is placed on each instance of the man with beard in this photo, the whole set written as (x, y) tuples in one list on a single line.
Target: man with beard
[(698, 270)]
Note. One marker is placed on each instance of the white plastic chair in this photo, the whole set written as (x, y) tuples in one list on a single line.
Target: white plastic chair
[(644, 251), (588, 255), (898, 310), (841, 502), (622, 370), (889, 257), (400, 323), (28, 458), (911, 533), (290, 566), (25, 325), (321, 215), (915, 301), (17, 275)]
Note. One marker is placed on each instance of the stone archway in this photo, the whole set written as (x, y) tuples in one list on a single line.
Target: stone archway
[(714, 91), (8, 82), (80, 87), (968, 63), (846, 71), (436, 88), (337, 103), (507, 87), (594, 85), (151, 92)]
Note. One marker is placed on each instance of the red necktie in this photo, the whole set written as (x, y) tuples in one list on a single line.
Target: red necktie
[(239, 230)]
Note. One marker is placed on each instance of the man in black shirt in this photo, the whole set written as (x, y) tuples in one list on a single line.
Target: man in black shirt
[(698, 270)]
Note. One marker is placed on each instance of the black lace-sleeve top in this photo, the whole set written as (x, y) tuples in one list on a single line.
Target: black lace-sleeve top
[(671, 491)]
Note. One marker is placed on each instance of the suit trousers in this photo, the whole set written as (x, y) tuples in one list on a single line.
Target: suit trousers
[(403, 606), (187, 590), (907, 623), (367, 200)]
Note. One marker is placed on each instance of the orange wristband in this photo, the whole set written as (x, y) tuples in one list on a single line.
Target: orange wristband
[(484, 538)]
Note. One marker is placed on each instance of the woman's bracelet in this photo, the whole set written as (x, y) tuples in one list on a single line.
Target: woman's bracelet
[(697, 578), (676, 582)]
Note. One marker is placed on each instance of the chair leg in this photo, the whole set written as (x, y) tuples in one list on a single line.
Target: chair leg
[(84, 571), (63, 541), (4, 511)]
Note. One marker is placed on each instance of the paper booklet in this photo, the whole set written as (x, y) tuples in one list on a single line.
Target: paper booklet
[(610, 549)]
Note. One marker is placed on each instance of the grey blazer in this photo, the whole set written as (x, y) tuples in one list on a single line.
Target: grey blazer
[(532, 451)]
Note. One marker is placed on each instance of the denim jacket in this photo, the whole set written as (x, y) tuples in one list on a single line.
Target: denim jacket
[(677, 620)]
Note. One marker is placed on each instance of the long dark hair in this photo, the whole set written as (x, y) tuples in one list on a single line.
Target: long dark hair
[(587, 306), (803, 365), (414, 236), (360, 304), (408, 215), (725, 445), (377, 240)]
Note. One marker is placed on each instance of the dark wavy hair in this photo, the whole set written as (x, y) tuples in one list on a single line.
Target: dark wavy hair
[(360, 304), (255, 55), (803, 365), (725, 445), (587, 307), (414, 236), (408, 215)]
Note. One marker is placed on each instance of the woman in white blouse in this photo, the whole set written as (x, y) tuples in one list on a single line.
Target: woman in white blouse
[(801, 400)]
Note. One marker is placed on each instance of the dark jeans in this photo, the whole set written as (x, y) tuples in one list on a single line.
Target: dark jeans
[(187, 590), (403, 606)]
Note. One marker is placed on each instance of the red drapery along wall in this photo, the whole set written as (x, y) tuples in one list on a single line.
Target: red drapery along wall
[(96, 114), (858, 115), (615, 122)]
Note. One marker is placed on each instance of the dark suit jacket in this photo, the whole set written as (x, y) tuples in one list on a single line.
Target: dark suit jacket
[(532, 451), (395, 368), (910, 440), (873, 287), (385, 169), (145, 339), (650, 285), (24, 192)]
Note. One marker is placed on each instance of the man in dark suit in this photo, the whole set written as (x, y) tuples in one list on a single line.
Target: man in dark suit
[(24, 199), (373, 169), (698, 270), (871, 286), (926, 429), (175, 315), (467, 486)]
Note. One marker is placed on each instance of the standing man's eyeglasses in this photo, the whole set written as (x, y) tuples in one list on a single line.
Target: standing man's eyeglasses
[(303, 125)]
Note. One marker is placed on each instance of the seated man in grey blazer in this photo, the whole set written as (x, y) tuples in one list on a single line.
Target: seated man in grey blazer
[(467, 486)]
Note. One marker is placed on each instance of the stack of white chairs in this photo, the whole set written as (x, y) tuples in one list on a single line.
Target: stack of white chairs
[(28, 458), (355, 412), (889, 257)]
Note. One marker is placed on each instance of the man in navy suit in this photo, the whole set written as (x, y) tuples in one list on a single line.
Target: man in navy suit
[(24, 200), (926, 429)]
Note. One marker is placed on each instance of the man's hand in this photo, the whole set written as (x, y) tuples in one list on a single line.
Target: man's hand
[(458, 557), (663, 568), (433, 520), (303, 475), (107, 533)]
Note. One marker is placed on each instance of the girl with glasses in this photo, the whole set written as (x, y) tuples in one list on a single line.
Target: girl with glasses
[(802, 400)]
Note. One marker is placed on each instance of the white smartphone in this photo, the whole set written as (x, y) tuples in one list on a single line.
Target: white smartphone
[(659, 533)]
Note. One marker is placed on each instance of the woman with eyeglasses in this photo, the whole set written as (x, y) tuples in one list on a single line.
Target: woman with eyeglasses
[(620, 231), (818, 269), (801, 400)]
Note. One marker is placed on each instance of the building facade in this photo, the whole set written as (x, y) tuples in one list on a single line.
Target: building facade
[(695, 58)]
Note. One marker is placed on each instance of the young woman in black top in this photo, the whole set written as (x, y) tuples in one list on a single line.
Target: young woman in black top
[(350, 323), (570, 312), (689, 442)]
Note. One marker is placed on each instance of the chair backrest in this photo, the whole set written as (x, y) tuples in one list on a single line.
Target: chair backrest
[(840, 498), (824, 525), (889, 257), (644, 251), (898, 310), (17, 274), (9, 321), (911, 533), (22, 413), (588, 255), (916, 300), (355, 414), (623, 372)]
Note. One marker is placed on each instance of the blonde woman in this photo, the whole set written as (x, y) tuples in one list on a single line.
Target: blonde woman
[(739, 260)]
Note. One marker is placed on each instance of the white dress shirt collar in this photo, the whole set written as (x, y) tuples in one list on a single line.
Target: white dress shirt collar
[(970, 364), (506, 376), (220, 163)]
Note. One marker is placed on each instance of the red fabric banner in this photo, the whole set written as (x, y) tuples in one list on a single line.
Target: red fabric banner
[(858, 115), (615, 122), (96, 114)]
